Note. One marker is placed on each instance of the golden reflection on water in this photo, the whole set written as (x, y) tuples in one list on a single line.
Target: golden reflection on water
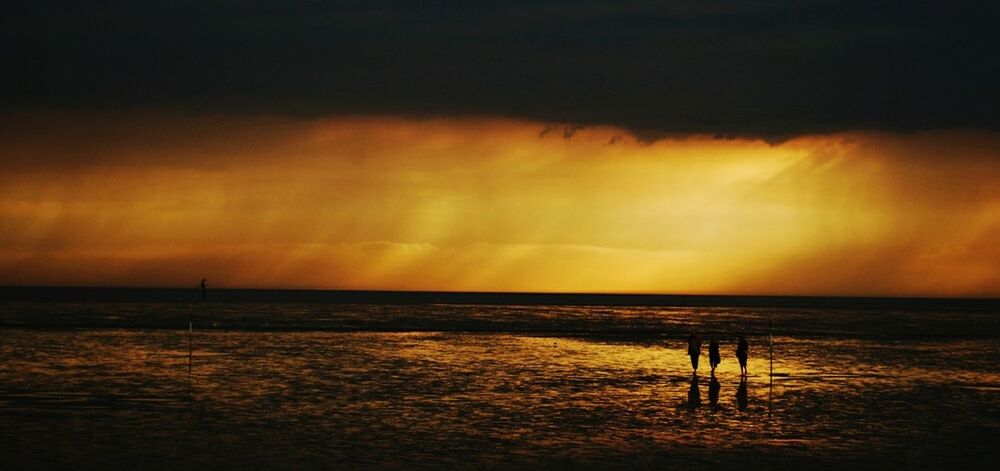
[(487, 398)]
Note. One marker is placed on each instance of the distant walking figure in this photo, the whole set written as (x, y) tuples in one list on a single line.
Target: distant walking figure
[(694, 350), (742, 350), (713, 354), (204, 290)]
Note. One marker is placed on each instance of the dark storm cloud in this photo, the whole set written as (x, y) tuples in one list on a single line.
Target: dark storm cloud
[(770, 69)]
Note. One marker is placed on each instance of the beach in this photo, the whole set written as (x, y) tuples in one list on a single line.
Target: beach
[(286, 385)]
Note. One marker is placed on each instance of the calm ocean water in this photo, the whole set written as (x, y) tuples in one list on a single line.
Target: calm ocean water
[(287, 385)]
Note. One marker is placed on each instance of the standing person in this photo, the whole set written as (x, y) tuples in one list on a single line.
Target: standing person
[(713, 354), (742, 351), (694, 350), (204, 289)]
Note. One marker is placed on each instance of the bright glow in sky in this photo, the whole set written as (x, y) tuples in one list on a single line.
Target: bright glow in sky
[(492, 205)]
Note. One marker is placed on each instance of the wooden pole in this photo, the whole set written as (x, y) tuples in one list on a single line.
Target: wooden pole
[(190, 341), (770, 347), (770, 355)]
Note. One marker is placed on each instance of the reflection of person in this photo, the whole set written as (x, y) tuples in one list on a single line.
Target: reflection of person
[(713, 355), (742, 351), (713, 391), (204, 289), (694, 395), (741, 394), (694, 350)]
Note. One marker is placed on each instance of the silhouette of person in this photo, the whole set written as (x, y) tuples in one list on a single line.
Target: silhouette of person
[(204, 289), (713, 354), (713, 391), (742, 351), (741, 395), (694, 350), (694, 395)]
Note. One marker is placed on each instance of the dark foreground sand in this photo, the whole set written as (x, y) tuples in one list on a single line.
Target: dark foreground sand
[(124, 398)]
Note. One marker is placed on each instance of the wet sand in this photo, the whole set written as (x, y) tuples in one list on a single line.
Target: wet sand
[(113, 398)]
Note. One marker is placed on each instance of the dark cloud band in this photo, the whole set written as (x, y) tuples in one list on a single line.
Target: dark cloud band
[(770, 69)]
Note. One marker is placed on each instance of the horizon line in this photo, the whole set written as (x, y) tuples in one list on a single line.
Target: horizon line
[(529, 293), (55, 293)]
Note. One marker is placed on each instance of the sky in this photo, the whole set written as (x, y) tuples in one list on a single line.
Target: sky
[(743, 147)]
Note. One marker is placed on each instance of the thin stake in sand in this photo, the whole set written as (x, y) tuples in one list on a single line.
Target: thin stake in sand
[(770, 354)]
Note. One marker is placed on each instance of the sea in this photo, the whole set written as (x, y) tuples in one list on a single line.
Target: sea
[(257, 379)]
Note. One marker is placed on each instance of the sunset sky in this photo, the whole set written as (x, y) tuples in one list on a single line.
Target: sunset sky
[(701, 147)]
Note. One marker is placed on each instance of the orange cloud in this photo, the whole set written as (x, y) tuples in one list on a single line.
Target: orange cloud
[(493, 205)]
